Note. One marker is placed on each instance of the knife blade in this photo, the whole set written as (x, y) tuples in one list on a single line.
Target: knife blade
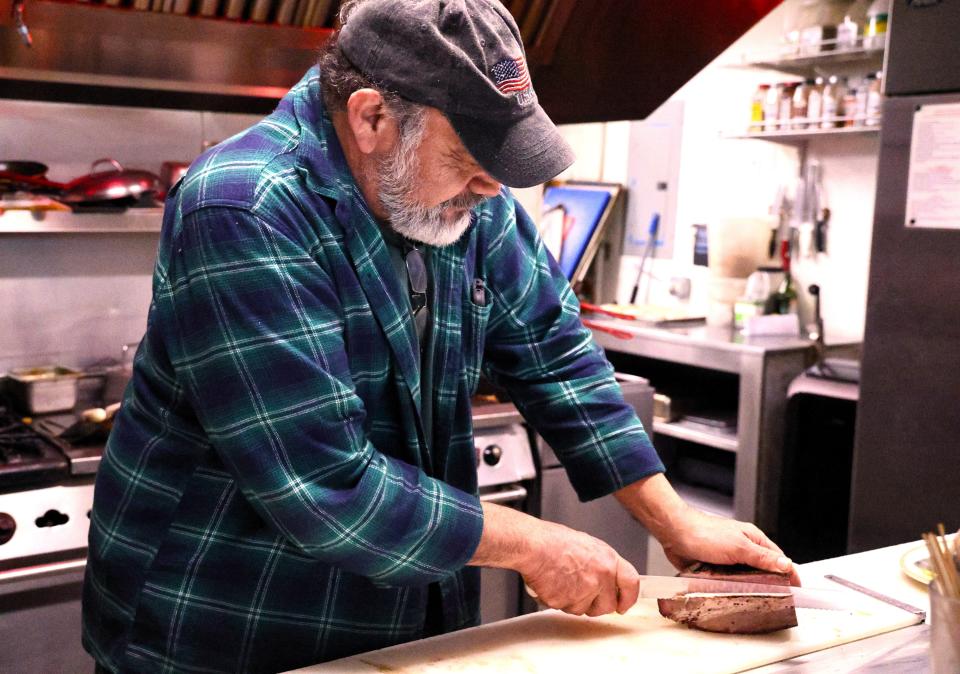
[(664, 587)]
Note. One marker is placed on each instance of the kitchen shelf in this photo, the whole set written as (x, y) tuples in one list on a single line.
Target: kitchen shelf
[(698, 433), (131, 221), (821, 62), (708, 500), (803, 135)]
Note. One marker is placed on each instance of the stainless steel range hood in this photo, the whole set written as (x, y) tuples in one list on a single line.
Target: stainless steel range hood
[(592, 60)]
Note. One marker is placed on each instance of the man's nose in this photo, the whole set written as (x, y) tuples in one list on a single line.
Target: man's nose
[(484, 185)]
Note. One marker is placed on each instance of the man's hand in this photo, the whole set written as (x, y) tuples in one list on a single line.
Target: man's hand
[(688, 534), (567, 569), (706, 538)]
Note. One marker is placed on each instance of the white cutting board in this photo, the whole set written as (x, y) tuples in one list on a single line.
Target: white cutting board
[(642, 640)]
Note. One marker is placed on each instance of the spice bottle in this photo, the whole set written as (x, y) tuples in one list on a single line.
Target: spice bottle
[(756, 108)]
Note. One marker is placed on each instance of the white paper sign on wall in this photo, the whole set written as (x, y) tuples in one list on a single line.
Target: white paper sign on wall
[(933, 188)]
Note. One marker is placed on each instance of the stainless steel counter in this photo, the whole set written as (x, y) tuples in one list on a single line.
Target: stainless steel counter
[(765, 367)]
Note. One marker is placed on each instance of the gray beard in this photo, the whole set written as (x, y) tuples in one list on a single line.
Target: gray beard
[(397, 174)]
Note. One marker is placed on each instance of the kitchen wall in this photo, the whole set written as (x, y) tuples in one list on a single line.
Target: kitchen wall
[(74, 299), (724, 177)]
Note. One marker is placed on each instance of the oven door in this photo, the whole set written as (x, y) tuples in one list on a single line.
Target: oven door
[(40, 618), (501, 590)]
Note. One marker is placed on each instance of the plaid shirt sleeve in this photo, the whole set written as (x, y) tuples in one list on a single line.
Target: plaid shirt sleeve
[(539, 350), (259, 339)]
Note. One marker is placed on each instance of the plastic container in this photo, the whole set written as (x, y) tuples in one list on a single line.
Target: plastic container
[(723, 293), (944, 632), (878, 16), (737, 246), (851, 31), (819, 31)]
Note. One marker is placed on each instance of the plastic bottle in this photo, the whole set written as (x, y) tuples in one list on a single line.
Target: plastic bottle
[(862, 96), (874, 99), (757, 108), (785, 113), (848, 106), (771, 108), (832, 103), (878, 16), (851, 31), (815, 104), (801, 95)]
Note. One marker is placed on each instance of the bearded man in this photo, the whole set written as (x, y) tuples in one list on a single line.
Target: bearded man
[(292, 478)]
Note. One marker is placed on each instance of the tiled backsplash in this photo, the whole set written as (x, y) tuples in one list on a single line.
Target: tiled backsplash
[(75, 299)]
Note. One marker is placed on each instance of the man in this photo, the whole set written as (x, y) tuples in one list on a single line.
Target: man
[(292, 477)]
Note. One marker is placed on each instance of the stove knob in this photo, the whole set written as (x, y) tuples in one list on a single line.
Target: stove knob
[(492, 455), (7, 526)]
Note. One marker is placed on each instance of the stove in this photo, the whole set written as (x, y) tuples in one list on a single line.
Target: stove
[(27, 458), (44, 504)]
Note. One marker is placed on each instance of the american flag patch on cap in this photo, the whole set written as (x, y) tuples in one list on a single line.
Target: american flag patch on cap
[(511, 77)]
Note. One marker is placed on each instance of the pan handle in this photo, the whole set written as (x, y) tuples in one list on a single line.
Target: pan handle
[(106, 160)]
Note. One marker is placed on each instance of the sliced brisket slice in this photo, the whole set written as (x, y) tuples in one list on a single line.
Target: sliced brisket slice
[(732, 613)]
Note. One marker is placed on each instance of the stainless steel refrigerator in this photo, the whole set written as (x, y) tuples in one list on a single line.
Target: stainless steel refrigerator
[(906, 473)]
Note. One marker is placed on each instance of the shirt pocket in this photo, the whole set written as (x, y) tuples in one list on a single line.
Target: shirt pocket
[(475, 318)]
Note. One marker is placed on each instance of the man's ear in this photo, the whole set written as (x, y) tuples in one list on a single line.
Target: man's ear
[(368, 120)]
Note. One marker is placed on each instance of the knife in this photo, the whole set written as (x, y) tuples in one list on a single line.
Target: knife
[(666, 587)]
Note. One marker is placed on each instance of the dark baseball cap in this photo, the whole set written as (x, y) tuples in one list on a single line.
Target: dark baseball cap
[(465, 58)]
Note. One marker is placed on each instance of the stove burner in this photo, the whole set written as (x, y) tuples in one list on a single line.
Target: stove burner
[(26, 457)]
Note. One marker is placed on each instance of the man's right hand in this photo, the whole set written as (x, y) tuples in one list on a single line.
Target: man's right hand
[(567, 569)]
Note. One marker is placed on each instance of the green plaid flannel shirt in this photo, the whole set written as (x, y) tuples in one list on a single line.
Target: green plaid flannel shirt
[(266, 500)]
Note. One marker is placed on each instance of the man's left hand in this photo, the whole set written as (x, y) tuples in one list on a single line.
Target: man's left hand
[(698, 536), (688, 534)]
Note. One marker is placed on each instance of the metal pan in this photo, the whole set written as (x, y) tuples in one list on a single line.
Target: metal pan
[(115, 184), (23, 168)]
